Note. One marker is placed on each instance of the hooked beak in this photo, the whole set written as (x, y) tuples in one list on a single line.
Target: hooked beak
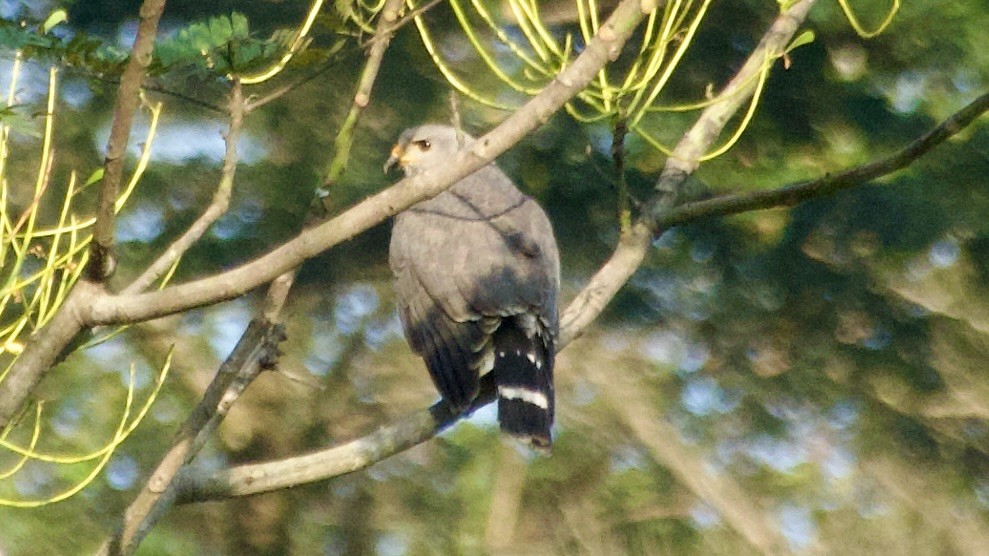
[(395, 156)]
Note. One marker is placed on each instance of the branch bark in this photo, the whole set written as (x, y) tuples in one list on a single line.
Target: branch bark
[(128, 97)]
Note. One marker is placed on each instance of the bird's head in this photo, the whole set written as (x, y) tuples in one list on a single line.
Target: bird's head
[(426, 146)]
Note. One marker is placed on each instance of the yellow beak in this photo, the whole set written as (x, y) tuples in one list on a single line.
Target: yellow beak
[(397, 155)]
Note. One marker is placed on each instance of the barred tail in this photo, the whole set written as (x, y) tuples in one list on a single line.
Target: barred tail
[(524, 373)]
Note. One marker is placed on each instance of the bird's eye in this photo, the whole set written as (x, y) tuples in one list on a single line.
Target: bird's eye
[(423, 144)]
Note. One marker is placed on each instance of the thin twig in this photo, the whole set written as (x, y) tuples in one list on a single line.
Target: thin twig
[(217, 207), (345, 136)]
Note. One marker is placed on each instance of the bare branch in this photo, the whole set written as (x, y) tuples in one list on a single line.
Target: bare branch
[(830, 183), (256, 347), (100, 262), (406, 432), (217, 207)]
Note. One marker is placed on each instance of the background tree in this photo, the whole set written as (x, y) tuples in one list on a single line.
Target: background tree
[(803, 379)]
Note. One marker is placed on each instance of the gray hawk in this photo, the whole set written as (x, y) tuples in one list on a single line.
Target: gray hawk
[(477, 273)]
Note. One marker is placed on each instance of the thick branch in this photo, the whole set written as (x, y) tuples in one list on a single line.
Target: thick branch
[(228, 285), (100, 261)]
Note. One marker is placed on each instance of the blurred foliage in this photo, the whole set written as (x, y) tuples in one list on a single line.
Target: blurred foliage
[(823, 364)]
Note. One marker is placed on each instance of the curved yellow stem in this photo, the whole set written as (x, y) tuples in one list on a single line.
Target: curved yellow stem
[(857, 26), (297, 43)]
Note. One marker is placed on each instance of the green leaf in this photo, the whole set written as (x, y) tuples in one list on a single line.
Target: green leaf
[(220, 30), (241, 29), (96, 176), (805, 38)]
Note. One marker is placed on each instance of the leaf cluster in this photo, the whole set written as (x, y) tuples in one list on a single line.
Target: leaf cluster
[(217, 47)]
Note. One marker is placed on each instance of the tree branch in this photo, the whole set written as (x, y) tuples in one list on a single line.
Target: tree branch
[(253, 353), (829, 183), (408, 431), (217, 207), (345, 136), (128, 96), (634, 243)]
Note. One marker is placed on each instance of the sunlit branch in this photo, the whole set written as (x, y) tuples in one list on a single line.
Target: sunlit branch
[(633, 245), (405, 432)]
